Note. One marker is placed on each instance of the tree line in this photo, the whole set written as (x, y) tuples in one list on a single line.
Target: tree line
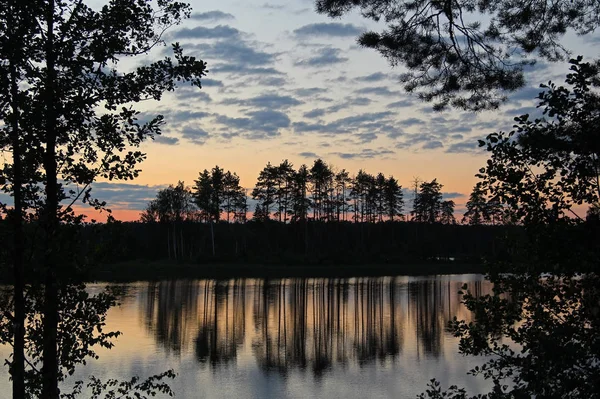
[(318, 193)]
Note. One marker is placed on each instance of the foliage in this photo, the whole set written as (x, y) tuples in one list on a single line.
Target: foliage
[(447, 212), (132, 389), (265, 191), (172, 204), (467, 53), (428, 202), (217, 191), (72, 114), (544, 167), (540, 326), (284, 194), (299, 196)]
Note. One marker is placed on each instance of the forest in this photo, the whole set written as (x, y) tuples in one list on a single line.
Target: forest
[(310, 215)]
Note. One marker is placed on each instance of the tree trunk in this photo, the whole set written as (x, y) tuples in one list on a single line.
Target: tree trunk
[(168, 242), (17, 369), (50, 310), (212, 237)]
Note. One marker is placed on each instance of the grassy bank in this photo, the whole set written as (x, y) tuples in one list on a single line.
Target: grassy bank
[(134, 271)]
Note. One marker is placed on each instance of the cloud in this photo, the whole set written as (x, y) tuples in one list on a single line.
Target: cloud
[(192, 93), (257, 125), (270, 6), (401, 104), (366, 117), (207, 82), (214, 15), (330, 29), (244, 70), (465, 146), (308, 154), (314, 113), (270, 81), (324, 57), (125, 196), (378, 91), (366, 137), (235, 51), (302, 11), (195, 135), (394, 134), (365, 153), (318, 112), (431, 145), (372, 121), (166, 140), (526, 94), (201, 32), (309, 91), (374, 77), (268, 100), (533, 112), (177, 117), (412, 122)]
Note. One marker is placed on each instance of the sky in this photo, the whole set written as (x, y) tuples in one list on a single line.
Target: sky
[(287, 83)]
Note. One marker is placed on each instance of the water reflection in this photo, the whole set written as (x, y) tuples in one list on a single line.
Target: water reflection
[(306, 324)]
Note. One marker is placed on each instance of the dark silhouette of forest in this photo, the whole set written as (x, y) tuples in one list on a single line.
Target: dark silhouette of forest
[(310, 242), (306, 216)]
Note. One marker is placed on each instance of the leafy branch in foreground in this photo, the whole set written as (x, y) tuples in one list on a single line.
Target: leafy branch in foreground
[(467, 53), (132, 389), (69, 117), (540, 327)]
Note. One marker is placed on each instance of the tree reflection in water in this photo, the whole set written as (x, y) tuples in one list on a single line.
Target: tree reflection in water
[(307, 324)]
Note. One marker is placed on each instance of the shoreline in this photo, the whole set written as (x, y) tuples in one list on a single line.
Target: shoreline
[(165, 270)]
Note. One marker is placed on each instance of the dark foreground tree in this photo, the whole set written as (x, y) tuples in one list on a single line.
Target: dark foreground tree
[(541, 326), (75, 113), (468, 53)]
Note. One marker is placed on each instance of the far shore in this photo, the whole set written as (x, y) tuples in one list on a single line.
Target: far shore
[(165, 270)]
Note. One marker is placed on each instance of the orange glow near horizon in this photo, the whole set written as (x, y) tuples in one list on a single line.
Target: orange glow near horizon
[(125, 215)]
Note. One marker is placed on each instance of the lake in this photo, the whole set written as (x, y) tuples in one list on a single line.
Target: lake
[(290, 338)]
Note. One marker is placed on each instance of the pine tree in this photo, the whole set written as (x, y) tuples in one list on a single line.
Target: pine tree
[(428, 203)]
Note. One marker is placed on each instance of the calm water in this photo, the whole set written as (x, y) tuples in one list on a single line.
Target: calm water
[(292, 338)]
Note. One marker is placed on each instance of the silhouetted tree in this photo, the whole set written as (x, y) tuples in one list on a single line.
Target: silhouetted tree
[(77, 114), (265, 191), (172, 204), (218, 191), (428, 203), (203, 195), (477, 207), (447, 212), (342, 182), (393, 198), (321, 182), (300, 202), (360, 195), (284, 178), (379, 196), (465, 53), (546, 296)]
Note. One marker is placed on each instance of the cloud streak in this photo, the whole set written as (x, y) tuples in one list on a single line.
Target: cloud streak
[(328, 29)]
